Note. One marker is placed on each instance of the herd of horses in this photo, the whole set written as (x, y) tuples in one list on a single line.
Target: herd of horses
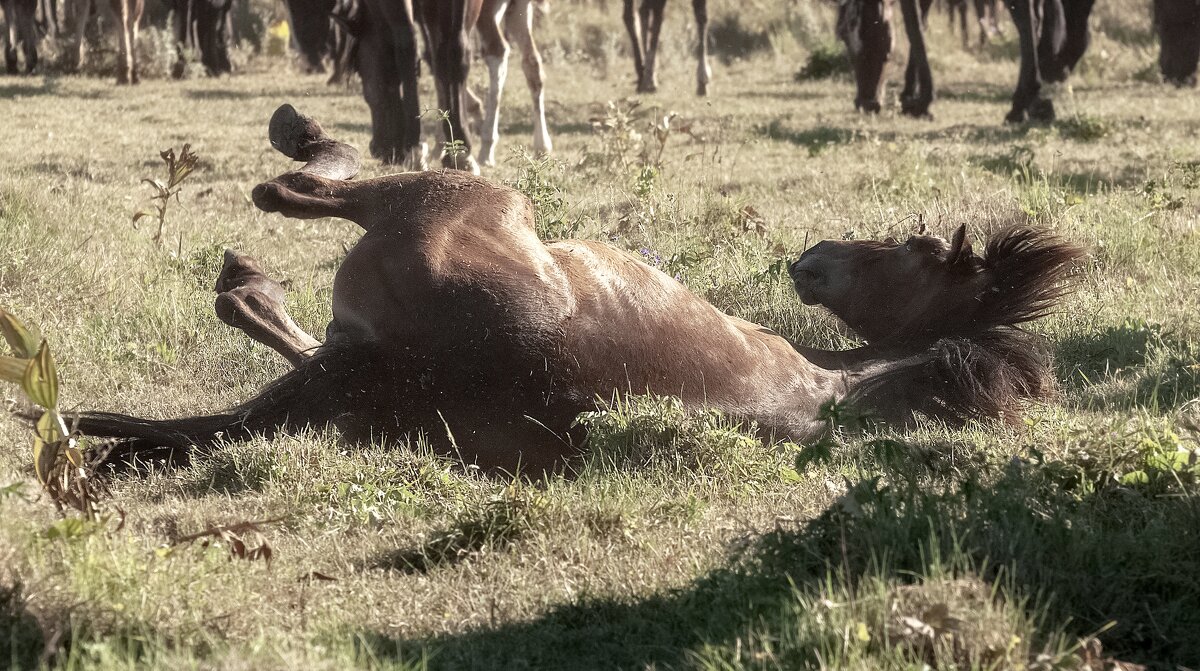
[(451, 318), (378, 39)]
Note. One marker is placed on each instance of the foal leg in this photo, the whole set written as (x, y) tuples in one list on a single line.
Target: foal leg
[(250, 301), (495, 56), (520, 28)]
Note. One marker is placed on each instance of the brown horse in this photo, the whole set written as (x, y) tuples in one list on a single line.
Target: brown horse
[(645, 25), (1053, 34), (451, 317)]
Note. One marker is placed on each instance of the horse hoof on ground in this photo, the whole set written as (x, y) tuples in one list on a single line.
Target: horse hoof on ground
[(1042, 111)]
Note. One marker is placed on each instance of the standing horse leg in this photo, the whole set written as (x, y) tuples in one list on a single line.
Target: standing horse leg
[(703, 71), (1075, 20), (520, 27), (918, 80), (10, 36), (495, 56), (1027, 100), (447, 39), (252, 302), (634, 27), (652, 18), (1052, 34), (77, 14)]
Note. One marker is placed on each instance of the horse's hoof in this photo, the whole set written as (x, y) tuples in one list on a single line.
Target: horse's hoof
[(915, 109), (1042, 111)]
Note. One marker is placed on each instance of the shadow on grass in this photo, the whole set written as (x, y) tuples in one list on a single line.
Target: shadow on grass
[(21, 638), (1087, 559), (815, 139), (1132, 366)]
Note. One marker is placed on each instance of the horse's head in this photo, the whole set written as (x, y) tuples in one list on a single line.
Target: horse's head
[(1178, 24), (911, 293), (866, 28)]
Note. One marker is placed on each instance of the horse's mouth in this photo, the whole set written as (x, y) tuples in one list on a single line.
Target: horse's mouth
[(805, 293)]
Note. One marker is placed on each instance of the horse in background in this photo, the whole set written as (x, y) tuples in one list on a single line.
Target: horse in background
[(1053, 36), (20, 29), (644, 26), (451, 318)]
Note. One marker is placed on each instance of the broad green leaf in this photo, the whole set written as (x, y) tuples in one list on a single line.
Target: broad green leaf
[(47, 442), (41, 379), (1135, 478), (70, 528), (22, 339), (75, 456), (12, 369)]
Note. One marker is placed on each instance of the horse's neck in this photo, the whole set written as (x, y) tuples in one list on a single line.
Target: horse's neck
[(840, 360)]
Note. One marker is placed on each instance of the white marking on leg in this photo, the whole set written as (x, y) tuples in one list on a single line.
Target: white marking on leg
[(520, 21), (497, 75)]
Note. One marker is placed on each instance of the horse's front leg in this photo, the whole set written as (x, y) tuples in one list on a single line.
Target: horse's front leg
[(252, 302)]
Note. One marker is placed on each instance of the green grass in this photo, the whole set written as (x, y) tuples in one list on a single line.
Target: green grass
[(683, 542)]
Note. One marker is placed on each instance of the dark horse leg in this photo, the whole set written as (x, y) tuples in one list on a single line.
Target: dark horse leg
[(386, 59), (1027, 100), (446, 26), (644, 26), (249, 300), (703, 72), (1078, 37), (21, 16), (918, 79)]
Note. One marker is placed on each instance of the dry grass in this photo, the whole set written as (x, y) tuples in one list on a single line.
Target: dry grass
[(683, 543)]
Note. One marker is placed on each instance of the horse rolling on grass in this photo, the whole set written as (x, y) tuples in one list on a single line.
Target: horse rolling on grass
[(644, 26), (451, 317), (1053, 36)]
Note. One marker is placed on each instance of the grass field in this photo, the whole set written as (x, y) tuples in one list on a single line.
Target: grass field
[(683, 542)]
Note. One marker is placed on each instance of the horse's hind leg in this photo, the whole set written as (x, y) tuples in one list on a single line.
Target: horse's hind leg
[(252, 302)]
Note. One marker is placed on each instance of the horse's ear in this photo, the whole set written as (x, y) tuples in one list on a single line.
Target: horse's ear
[(960, 249)]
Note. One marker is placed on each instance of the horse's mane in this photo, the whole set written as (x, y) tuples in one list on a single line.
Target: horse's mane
[(1027, 268), (983, 364), (958, 379)]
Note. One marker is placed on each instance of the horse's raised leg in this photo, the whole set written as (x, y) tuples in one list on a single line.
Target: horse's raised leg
[(519, 21), (495, 55), (249, 300)]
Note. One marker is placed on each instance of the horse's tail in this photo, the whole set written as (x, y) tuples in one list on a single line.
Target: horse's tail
[(957, 379), (321, 390)]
